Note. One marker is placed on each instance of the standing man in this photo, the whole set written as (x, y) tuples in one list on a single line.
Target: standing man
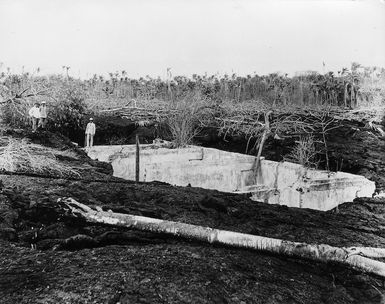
[(34, 113), (90, 132), (43, 115)]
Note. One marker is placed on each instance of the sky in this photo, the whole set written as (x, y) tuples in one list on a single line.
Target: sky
[(145, 37)]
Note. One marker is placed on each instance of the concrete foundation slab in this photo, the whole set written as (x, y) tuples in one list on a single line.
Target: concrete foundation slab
[(281, 183)]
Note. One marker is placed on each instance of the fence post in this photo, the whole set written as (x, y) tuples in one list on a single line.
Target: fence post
[(137, 159)]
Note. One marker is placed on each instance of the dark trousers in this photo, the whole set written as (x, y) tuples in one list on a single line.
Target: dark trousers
[(34, 123), (42, 122)]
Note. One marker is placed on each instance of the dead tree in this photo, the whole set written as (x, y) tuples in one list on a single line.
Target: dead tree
[(324, 122), (285, 122), (265, 134)]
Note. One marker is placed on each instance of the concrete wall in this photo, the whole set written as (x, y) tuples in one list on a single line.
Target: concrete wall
[(293, 185), (277, 182), (197, 166)]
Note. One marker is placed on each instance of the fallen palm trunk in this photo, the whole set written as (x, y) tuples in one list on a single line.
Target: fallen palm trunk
[(349, 256), (369, 252)]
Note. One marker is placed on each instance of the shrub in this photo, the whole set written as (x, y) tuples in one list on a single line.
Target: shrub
[(304, 153), (67, 112), (15, 114), (186, 117)]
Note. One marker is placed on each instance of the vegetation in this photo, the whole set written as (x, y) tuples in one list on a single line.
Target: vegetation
[(304, 153), (19, 155), (65, 100), (233, 104), (353, 87), (186, 117)]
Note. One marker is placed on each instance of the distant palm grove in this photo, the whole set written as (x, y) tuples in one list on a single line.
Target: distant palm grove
[(347, 88), (352, 87)]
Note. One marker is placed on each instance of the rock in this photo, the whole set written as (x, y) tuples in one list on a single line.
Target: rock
[(76, 242), (214, 203)]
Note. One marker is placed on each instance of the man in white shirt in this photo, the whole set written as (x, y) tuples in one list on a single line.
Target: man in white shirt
[(90, 132), (43, 114), (34, 113)]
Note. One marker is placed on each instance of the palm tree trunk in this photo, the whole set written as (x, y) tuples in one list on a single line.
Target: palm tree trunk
[(322, 253), (301, 92), (345, 94)]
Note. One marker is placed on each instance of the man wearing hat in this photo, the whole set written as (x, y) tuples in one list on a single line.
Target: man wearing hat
[(90, 132), (43, 115), (34, 113)]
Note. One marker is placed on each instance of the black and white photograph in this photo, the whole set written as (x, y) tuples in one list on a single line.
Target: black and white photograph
[(192, 151)]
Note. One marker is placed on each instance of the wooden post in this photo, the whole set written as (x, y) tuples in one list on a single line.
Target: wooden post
[(137, 159)]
